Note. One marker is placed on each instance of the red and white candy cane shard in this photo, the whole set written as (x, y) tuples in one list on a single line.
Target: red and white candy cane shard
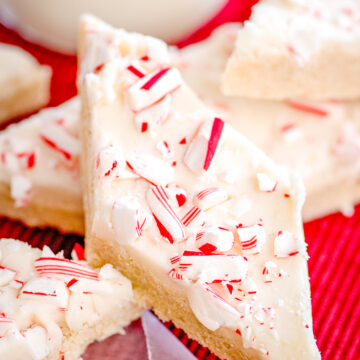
[(252, 238), (193, 217), (6, 323), (308, 108), (136, 71), (6, 275), (174, 274), (60, 141), (268, 271), (126, 219), (210, 197), (248, 286), (48, 290), (152, 88), (244, 309), (109, 162), (287, 244), (165, 217), (164, 148), (151, 168), (209, 268), (177, 195), (20, 190), (214, 239), (153, 116), (203, 147), (77, 253), (174, 259), (63, 269), (27, 159), (266, 183)]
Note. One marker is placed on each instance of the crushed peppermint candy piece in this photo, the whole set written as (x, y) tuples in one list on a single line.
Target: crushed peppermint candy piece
[(152, 88), (193, 218), (48, 290), (251, 238), (151, 168), (204, 146), (266, 183), (56, 137), (214, 239), (126, 219), (6, 275), (109, 162), (165, 150), (154, 116), (21, 188), (77, 253), (264, 315), (287, 244), (177, 195), (244, 309), (6, 324), (210, 197), (268, 271), (209, 268), (63, 269), (248, 286), (167, 221)]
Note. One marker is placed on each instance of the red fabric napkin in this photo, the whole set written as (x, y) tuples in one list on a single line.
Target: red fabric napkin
[(334, 241)]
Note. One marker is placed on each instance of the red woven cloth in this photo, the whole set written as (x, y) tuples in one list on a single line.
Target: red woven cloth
[(334, 243)]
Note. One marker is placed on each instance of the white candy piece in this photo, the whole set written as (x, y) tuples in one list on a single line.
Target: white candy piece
[(268, 271), (152, 88), (110, 162), (58, 139), (287, 244), (251, 238), (5, 325), (126, 219), (204, 146), (244, 309), (208, 268), (210, 197), (6, 276), (248, 286), (151, 168), (154, 116), (48, 290), (266, 183), (37, 340), (166, 219), (214, 239), (212, 311), (165, 150), (20, 190)]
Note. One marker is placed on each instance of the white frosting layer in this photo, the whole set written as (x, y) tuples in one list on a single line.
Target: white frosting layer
[(222, 286), (318, 139), (43, 152), (45, 298)]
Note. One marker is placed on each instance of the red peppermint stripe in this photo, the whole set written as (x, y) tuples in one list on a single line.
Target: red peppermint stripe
[(148, 85), (56, 147), (191, 215), (216, 132), (135, 71), (202, 194), (307, 108)]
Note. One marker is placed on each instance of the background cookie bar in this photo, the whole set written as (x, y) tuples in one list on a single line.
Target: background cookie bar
[(25, 84)]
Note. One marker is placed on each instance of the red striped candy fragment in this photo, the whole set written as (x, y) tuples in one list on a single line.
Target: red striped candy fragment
[(244, 309), (248, 287), (27, 159), (202, 149), (210, 197), (268, 271), (63, 269), (164, 148), (209, 268), (214, 239), (154, 116), (77, 253), (126, 219), (152, 88), (266, 183), (252, 238), (174, 274), (6, 275), (265, 315), (151, 168), (287, 244), (52, 291), (6, 324), (20, 190), (167, 221), (55, 137), (109, 162), (210, 308), (136, 72), (307, 107), (193, 218), (177, 195)]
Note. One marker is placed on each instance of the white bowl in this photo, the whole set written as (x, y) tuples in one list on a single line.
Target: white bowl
[(54, 23)]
